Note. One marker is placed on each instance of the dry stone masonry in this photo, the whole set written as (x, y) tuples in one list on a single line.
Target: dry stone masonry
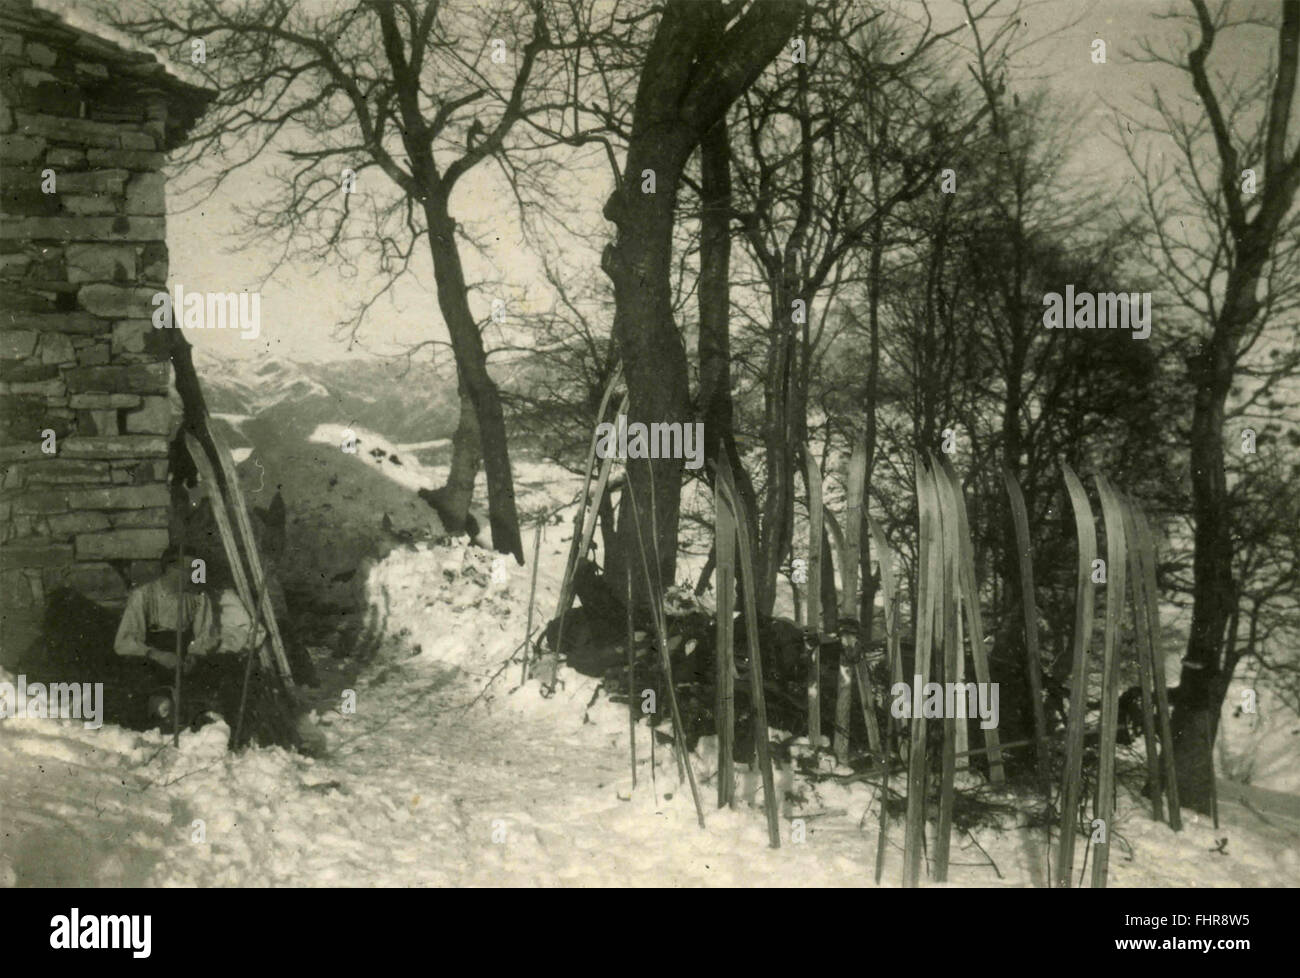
[(86, 118)]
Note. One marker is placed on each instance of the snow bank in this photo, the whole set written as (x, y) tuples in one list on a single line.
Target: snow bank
[(1259, 739), (335, 502)]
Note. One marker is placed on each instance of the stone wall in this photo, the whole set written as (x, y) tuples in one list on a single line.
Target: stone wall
[(84, 378)]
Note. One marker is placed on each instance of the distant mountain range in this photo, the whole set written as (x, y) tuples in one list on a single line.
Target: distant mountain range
[(413, 402)]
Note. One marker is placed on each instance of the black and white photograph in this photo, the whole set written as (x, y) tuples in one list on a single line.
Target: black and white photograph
[(644, 444)]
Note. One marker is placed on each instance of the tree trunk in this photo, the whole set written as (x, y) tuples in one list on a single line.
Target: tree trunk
[(780, 435), (471, 361), (1213, 592), (716, 406), (692, 74), (654, 357), (1203, 684), (458, 491)]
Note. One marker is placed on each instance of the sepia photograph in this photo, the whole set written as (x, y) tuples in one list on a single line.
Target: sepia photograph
[(585, 444)]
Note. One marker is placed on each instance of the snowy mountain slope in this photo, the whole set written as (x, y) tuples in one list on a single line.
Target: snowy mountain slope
[(408, 402)]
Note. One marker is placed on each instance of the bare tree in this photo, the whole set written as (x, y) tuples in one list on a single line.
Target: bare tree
[(826, 152), (1228, 237), (419, 93)]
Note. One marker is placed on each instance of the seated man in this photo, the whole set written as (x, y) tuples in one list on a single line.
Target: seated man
[(146, 642), (213, 661)]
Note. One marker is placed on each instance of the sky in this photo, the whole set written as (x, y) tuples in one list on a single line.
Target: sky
[(304, 300)]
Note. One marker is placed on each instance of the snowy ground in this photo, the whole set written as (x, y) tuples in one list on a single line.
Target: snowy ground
[(424, 786), (449, 772)]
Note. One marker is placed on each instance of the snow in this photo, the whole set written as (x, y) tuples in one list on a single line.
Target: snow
[(1259, 738), (451, 773), (68, 12), (446, 776)]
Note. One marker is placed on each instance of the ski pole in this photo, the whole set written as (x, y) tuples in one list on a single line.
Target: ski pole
[(532, 592), (180, 638)]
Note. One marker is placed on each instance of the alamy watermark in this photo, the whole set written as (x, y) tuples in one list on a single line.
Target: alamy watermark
[(209, 310), (656, 440), (946, 701), (1099, 310), (75, 931), (54, 701)]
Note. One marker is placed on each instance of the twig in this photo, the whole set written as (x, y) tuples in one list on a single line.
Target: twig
[(532, 592), (505, 665), (971, 836)]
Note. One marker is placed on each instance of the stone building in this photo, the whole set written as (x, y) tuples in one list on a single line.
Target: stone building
[(86, 118)]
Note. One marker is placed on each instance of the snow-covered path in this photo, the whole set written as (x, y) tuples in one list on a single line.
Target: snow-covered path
[(425, 793), (428, 794)]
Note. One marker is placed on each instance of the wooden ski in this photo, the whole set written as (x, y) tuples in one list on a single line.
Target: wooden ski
[(580, 516), (1147, 553), (177, 678), (257, 575), (831, 616), (1137, 588), (1029, 605), (655, 595), (1116, 571), (928, 573), (894, 669), (630, 599), (850, 556), (974, 617), (948, 606), (587, 518), (761, 734), (857, 654), (963, 730), (229, 542), (889, 588), (1086, 534), (814, 600), (724, 712)]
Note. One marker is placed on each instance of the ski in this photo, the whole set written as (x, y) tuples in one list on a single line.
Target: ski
[(552, 661), (849, 624), (587, 517), (239, 574), (947, 603), (928, 572), (814, 600), (761, 735), (974, 617), (180, 649), (1137, 589), (580, 516), (229, 541), (724, 711), (1086, 534), (1116, 571), (629, 614), (1147, 554), (532, 595), (257, 576), (655, 594), (852, 642), (1029, 604), (894, 669)]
